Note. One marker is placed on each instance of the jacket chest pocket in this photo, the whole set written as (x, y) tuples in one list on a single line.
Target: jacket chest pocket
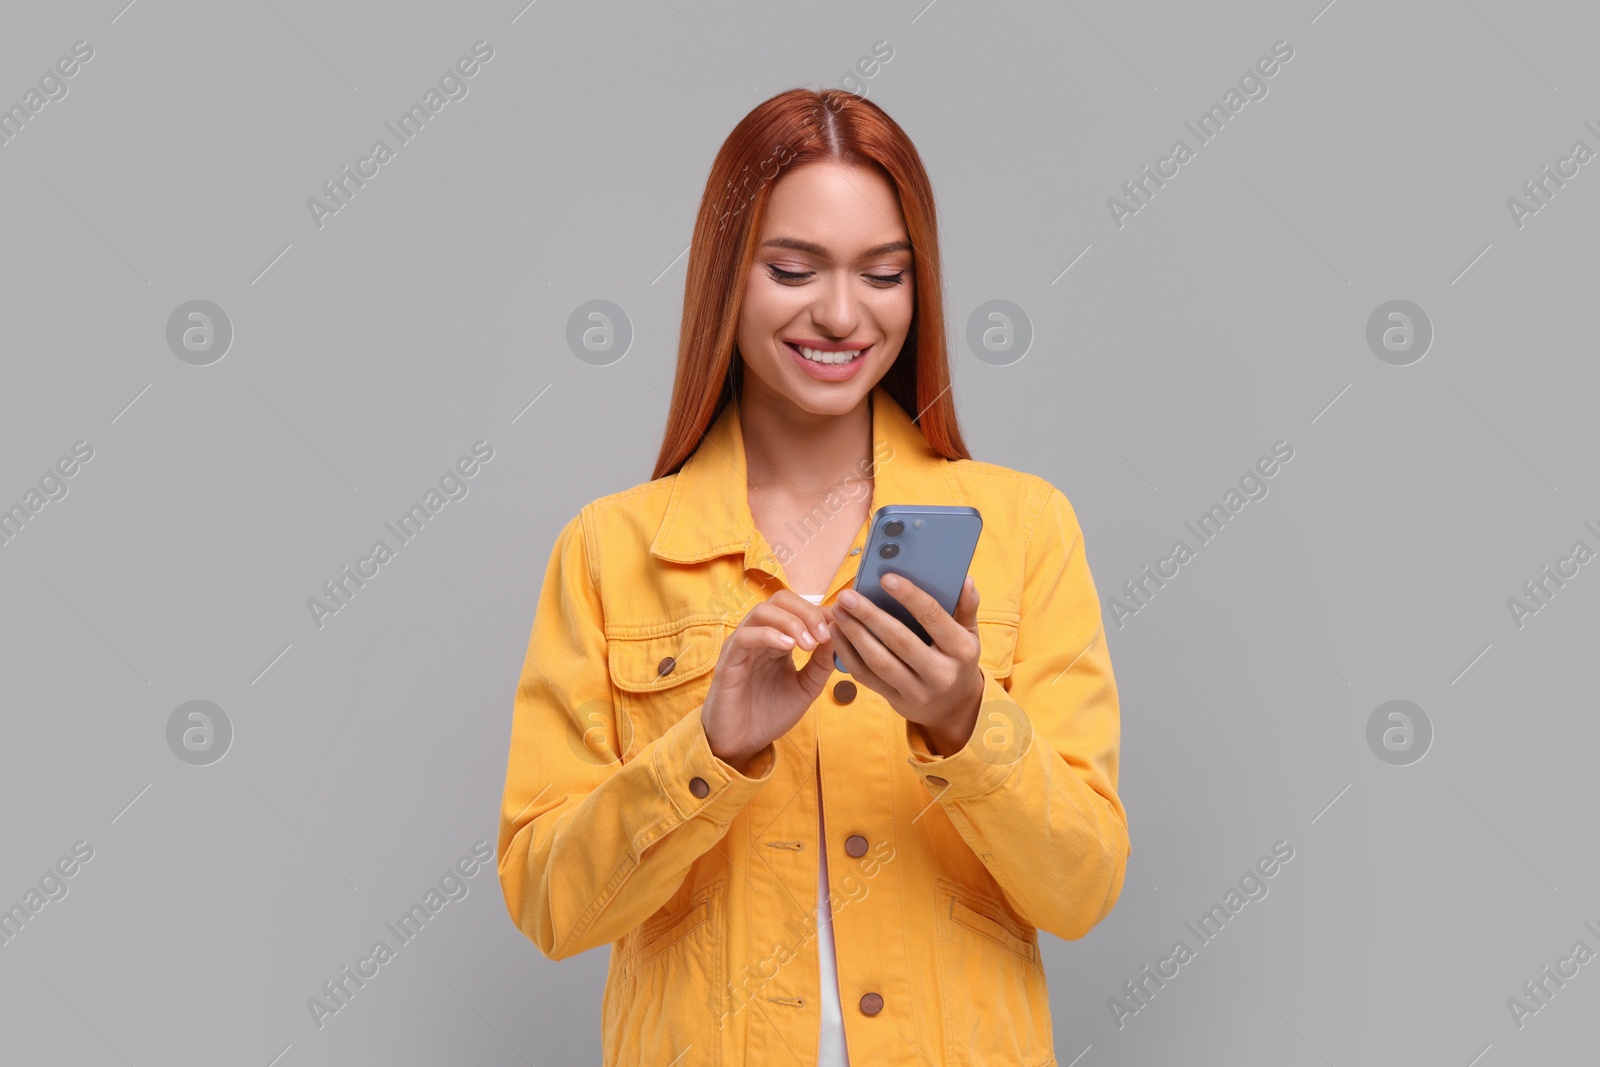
[(660, 678), (992, 988)]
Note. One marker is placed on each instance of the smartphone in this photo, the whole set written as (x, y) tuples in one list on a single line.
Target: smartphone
[(929, 544)]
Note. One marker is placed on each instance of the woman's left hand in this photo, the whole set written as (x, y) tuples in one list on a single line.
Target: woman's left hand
[(938, 686)]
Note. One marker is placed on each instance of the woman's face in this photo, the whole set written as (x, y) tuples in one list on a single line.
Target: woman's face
[(832, 271)]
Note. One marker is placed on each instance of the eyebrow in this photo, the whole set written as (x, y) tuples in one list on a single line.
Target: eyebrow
[(817, 250)]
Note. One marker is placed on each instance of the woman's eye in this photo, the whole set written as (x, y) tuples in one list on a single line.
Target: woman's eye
[(779, 274)]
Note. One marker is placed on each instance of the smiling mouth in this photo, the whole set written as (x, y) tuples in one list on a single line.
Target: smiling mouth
[(828, 359)]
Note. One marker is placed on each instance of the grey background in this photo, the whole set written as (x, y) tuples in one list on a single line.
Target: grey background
[(368, 355)]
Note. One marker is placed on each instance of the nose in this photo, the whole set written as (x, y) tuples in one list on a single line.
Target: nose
[(835, 311)]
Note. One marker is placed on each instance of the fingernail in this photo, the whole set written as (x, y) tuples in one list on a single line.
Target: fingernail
[(891, 582), (848, 598), (806, 640), (822, 630), (787, 639)]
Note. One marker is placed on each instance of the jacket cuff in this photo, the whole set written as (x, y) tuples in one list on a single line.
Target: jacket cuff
[(1001, 737), (696, 781)]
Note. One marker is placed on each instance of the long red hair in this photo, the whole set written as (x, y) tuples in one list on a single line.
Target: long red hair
[(789, 130)]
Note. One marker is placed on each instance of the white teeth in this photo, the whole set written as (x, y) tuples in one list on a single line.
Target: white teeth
[(828, 357)]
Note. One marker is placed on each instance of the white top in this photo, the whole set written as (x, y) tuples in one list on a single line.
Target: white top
[(831, 1052)]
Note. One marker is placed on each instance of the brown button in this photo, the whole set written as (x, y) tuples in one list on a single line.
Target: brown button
[(844, 692), (698, 787), (934, 779), (856, 845), (871, 1003), (666, 665)]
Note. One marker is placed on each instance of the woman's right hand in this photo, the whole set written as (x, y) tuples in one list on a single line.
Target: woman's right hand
[(756, 695)]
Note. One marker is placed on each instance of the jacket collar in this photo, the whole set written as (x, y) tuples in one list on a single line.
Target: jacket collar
[(708, 513)]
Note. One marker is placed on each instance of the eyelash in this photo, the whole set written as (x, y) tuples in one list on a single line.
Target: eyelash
[(779, 274)]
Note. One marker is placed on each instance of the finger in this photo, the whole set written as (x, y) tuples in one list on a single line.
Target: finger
[(841, 644), (946, 632), (755, 639), (857, 667), (811, 615), (890, 633), (874, 655), (778, 617), (966, 613), (819, 668)]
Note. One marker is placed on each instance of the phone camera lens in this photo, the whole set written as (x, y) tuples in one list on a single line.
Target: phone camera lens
[(889, 551), (894, 528)]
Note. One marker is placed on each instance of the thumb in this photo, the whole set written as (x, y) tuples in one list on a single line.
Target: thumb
[(814, 675), (966, 612)]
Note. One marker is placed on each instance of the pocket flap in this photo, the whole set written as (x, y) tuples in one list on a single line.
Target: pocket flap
[(636, 662)]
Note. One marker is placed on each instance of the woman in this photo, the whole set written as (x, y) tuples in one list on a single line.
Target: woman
[(792, 864)]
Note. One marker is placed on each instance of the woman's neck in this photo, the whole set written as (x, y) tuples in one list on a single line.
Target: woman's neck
[(804, 453)]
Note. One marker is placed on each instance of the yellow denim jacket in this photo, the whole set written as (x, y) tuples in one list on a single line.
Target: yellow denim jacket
[(619, 826)]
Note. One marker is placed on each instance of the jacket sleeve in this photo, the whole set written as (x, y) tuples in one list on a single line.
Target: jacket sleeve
[(1034, 789), (589, 846)]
